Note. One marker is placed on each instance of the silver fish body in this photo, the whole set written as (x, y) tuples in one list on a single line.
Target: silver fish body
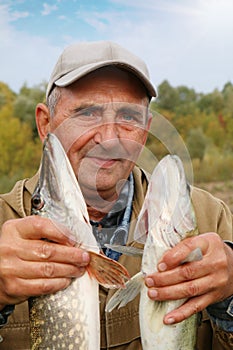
[(69, 319), (166, 218)]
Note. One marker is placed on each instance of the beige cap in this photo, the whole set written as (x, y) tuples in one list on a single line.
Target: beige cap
[(80, 59)]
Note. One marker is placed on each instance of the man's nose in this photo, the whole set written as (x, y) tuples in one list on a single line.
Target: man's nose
[(107, 132)]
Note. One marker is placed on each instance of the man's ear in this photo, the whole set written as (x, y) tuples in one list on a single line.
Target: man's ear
[(42, 120)]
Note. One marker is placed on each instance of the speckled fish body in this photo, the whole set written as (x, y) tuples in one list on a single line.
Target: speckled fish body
[(166, 218), (69, 319)]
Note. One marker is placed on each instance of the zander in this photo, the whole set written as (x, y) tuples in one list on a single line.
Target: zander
[(69, 319), (166, 218)]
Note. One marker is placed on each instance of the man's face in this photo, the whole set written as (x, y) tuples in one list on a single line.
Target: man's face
[(98, 122)]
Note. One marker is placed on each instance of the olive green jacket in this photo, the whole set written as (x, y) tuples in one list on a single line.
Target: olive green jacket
[(120, 328)]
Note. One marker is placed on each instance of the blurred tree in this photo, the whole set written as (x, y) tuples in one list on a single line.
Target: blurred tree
[(25, 103), (227, 93), (168, 96), (17, 150), (215, 131), (204, 103), (196, 143), (217, 102), (212, 102), (7, 96), (187, 101), (226, 132)]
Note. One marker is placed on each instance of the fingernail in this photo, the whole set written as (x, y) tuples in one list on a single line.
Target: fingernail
[(170, 320), (85, 257), (72, 241), (153, 293), (82, 270), (149, 282), (162, 267)]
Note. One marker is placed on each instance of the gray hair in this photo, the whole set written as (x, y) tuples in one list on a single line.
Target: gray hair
[(53, 99)]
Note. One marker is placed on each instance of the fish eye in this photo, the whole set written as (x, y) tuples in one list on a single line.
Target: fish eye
[(37, 202)]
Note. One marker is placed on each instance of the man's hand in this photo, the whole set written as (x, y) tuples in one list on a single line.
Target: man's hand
[(36, 257), (203, 282)]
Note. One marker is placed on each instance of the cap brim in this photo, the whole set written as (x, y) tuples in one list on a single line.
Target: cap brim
[(78, 73)]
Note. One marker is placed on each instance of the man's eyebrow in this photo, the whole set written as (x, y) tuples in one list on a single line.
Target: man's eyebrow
[(128, 109), (83, 106)]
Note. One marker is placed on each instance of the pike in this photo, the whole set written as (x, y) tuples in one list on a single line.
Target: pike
[(69, 319), (167, 217)]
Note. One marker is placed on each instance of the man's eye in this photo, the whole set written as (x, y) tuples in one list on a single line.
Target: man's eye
[(128, 117), (134, 118), (88, 113)]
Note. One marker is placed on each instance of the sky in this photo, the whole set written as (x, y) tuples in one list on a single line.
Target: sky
[(187, 42)]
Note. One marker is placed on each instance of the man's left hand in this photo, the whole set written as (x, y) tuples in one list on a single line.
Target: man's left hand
[(203, 282)]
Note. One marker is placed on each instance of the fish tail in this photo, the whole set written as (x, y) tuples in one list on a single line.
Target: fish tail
[(108, 272)]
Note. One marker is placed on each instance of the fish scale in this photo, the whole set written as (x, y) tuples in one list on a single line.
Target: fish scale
[(69, 319)]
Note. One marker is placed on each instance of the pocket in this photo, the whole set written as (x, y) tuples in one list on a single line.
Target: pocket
[(120, 328), (16, 334)]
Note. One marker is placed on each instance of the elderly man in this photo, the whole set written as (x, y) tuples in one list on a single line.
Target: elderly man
[(101, 86)]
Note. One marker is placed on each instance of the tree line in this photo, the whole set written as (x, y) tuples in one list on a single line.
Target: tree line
[(204, 121)]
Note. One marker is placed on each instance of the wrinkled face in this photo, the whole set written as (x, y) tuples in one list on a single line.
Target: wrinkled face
[(102, 121)]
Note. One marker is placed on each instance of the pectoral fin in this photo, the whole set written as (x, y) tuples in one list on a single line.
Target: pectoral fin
[(127, 250), (109, 273), (123, 296), (195, 255)]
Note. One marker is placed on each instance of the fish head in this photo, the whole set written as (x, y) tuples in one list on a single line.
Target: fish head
[(58, 195), (176, 206), (167, 207)]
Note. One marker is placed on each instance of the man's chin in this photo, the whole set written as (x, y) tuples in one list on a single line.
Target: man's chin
[(97, 185)]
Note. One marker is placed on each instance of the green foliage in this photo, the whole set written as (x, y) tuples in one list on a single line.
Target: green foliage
[(20, 152), (168, 96), (6, 95), (204, 121), (25, 103), (196, 143), (213, 168), (227, 93), (16, 155)]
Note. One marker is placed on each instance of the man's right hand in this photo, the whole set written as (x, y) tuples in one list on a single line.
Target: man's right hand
[(37, 257)]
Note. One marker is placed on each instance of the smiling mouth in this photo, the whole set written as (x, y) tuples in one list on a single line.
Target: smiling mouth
[(104, 162)]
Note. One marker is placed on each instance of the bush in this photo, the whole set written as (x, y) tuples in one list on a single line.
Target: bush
[(213, 168)]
